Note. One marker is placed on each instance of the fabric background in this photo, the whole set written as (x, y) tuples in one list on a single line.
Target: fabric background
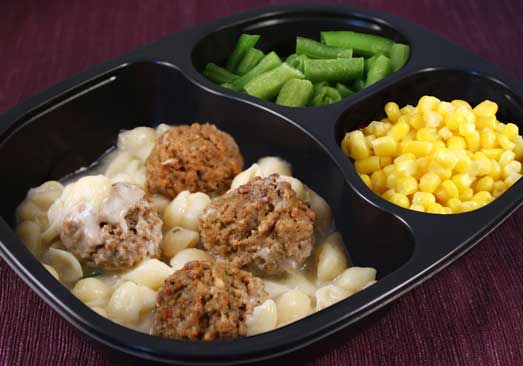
[(469, 314)]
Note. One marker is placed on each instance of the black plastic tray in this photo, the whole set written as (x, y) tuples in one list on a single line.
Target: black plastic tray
[(71, 124)]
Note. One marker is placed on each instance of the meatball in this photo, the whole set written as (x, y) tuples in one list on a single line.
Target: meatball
[(123, 231), (196, 158), (207, 300), (261, 226)]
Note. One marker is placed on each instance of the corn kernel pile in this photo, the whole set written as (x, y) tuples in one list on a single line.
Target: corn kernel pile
[(437, 157)]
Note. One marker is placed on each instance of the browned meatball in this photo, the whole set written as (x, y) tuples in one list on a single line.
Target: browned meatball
[(205, 301), (121, 233), (261, 226), (197, 158)]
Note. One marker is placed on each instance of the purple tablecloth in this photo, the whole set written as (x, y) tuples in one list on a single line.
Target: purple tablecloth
[(469, 314)]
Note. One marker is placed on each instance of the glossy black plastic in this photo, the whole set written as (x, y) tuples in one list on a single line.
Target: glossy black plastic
[(71, 124)]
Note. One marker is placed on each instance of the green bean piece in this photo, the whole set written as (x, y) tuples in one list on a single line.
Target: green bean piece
[(343, 90), (368, 62), (325, 95), (269, 62), (341, 69), (244, 44), (218, 74), (229, 86), (362, 44), (314, 49), (251, 59), (319, 86), (399, 54), (357, 85), (297, 61), (295, 93), (267, 85), (379, 70)]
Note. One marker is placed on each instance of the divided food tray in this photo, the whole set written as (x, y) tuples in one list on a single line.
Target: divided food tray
[(71, 124)]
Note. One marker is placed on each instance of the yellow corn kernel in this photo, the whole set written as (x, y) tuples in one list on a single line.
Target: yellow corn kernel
[(444, 108), (486, 109), (428, 102), (385, 160), (499, 188), (423, 198), (399, 130), (482, 197), (407, 109), (466, 128), (388, 194), (432, 118), (366, 179), (438, 146), (480, 165), (492, 153), (454, 204), (488, 139), (506, 157), (356, 145), (385, 120), (486, 122), (441, 171), (406, 167), (435, 208), (422, 165), (418, 148), (463, 164), (369, 139), (384, 146), (495, 169), (445, 133), (379, 181), (393, 111), (485, 184), (415, 120), (505, 142), (406, 185), (377, 128), (367, 165), (518, 149), (511, 131), (445, 158), (500, 126), (453, 120), (427, 134), (511, 179), (389, 169), (451, 188), (514, 167), (417, 207), (456, 143), (405, 157), (429, 182), (473, 140), (462, 181), (400, 200), (466, 195), (467, 206), (460, 103), (392, 178), (470, 117), (410, 136)]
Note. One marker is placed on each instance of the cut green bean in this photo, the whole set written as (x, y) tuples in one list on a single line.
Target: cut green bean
[(357, 85), (341, 69), (314, 49), (244, 44), (251, 59), (319, 86), (269, 62), (218, 74), (267, 85), (362, 44), (379, 70), (295, 93), (297, 61), (343, 90), (368, 63), (228, 86), (399, 54), (325, 95)]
